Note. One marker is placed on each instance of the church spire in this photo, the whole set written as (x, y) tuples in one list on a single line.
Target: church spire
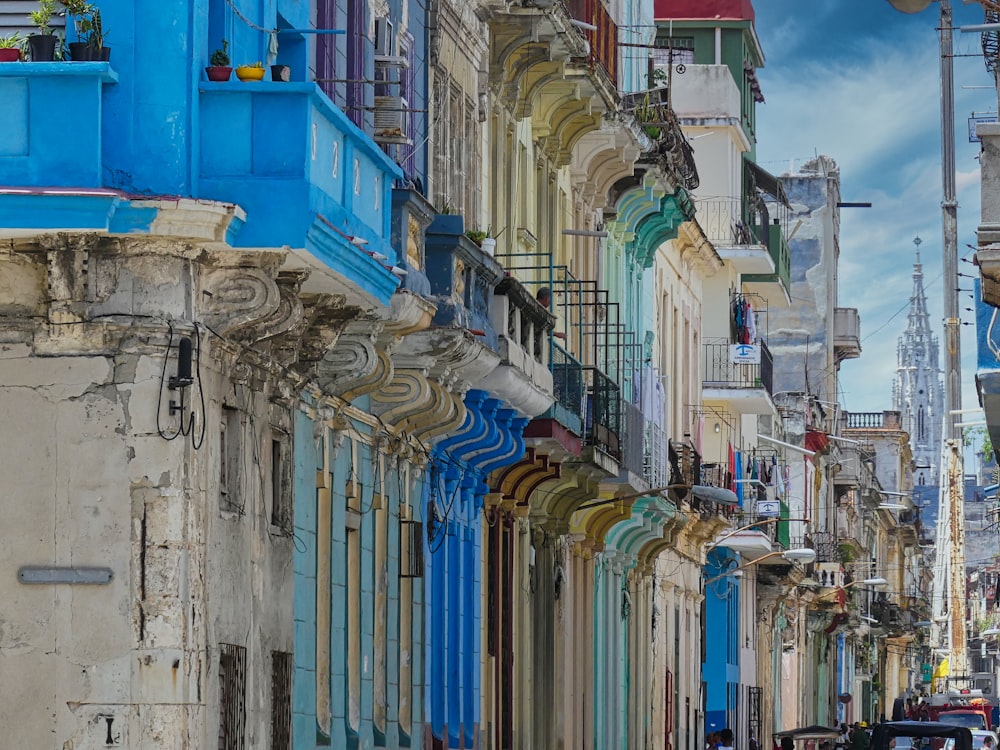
[(917, 391)]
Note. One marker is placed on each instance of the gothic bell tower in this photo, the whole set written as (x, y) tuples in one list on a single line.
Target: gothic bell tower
[(917, 390)]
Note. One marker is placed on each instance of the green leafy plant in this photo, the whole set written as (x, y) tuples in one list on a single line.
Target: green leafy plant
[(82, 13), (220, 58), (96, 24), (14, 41), (979, 435), (476, 235), (258, 64), (41, 17)]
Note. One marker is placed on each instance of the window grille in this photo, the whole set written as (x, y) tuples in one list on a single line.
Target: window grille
[(232, 696), (281, 480), (281, 700), (411, 548)]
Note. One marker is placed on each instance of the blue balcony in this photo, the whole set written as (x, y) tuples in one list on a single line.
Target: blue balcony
[(305, 175), (462, 279), (53, 121)]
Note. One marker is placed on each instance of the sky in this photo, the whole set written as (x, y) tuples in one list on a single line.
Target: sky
[(858, 81)]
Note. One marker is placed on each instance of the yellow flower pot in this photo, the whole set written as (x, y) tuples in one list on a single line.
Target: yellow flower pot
[(248, 73)]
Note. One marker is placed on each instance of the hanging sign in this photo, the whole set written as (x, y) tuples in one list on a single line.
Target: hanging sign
[(768, 508), (744, 354)]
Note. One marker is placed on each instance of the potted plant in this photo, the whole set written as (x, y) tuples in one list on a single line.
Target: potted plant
[(80, 11), (251, 72), (10, 47), (281, 73), (218, 64), (43, 44), (476, 235), (98, 51), (486, 240)]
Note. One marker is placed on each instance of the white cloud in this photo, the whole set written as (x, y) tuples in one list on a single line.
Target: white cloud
[(876, 112)]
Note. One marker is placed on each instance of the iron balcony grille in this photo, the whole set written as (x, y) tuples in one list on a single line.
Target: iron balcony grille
[(656, 468), (567, 383), (633, 453), (720, 372), (604, 413)]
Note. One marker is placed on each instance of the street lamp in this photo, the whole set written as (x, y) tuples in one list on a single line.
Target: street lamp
[(804, 555), (949, 216)]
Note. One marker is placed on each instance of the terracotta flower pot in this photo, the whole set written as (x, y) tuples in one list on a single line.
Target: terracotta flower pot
[(218, 72)]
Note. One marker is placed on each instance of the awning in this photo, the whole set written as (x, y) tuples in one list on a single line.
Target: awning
[(715, 494), (766, 181), (816, 440)]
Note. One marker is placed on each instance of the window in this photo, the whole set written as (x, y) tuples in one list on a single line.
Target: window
[(230, 450), (281, 700), (232, 696), (281, 480), (456, 134)]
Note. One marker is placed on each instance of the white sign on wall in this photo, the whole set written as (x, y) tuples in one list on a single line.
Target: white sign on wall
[(768, 508), (744, 354)]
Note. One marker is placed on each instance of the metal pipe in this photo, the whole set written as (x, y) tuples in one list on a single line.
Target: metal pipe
[(786, 445)]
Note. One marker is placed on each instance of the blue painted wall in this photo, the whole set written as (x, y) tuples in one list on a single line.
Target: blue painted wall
[(720, 670)]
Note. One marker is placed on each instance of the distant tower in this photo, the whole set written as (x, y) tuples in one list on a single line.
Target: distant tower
[(917, 391)]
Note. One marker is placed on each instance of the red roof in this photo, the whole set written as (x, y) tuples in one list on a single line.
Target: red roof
[(700, 10)]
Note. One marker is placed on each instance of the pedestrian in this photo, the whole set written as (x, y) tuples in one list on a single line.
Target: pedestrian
[(787, 743), (859, 736), (726, 739)]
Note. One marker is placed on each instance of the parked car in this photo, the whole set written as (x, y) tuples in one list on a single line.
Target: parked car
[(978, 735)]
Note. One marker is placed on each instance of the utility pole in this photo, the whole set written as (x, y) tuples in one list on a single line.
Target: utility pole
[(949, 231)]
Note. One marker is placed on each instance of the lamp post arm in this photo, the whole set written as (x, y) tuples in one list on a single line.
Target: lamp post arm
[(747, 564)]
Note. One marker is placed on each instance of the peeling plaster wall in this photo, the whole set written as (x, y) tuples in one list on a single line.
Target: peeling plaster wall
[(801, 336), (89, 482)]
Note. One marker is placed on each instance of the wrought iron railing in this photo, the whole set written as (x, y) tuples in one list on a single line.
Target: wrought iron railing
[(632, 438), (604, 412), (567, 384), (655, 452), (721, 372), (726, 222)]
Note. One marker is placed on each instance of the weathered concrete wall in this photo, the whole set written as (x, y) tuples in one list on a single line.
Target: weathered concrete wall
[(801, 336), (90, 480)]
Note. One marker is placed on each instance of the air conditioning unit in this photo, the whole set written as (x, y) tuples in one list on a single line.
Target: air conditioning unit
[(391, 119), (383, 36)]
